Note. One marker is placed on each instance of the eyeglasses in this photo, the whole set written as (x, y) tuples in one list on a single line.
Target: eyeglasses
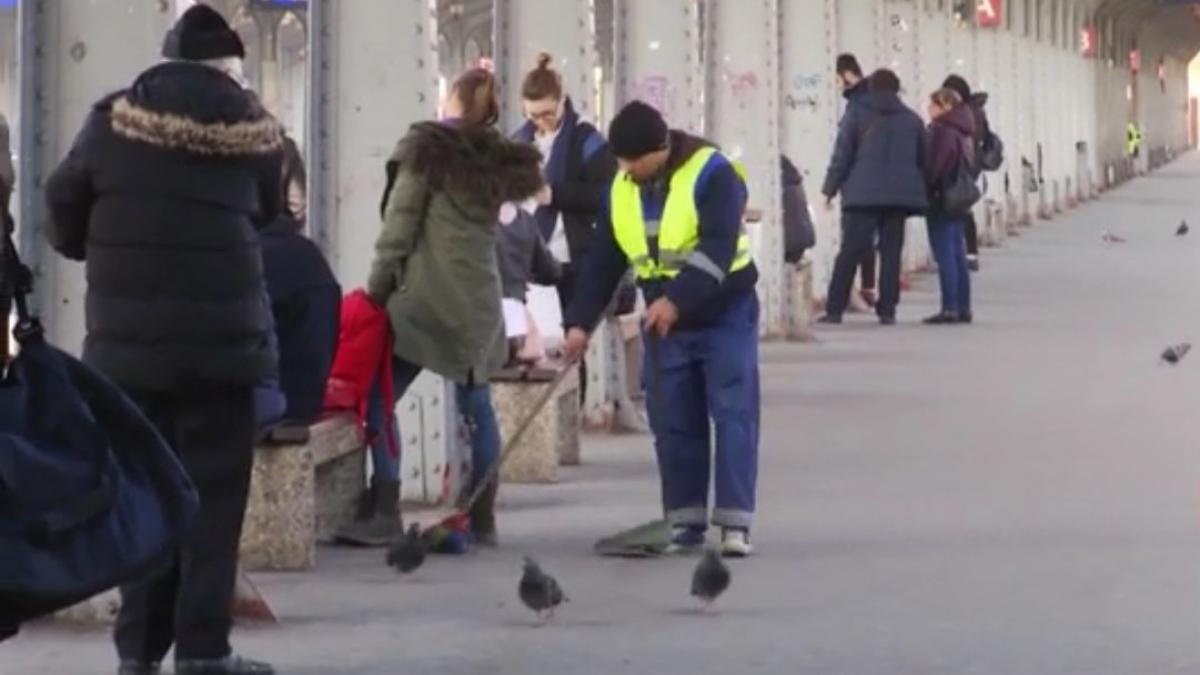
[(544, 116)]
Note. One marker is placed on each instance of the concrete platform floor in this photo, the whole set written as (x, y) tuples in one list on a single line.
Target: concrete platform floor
[(1011, 498)]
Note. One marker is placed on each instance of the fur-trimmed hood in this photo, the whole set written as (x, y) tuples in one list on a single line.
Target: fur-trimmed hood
[(196, 109), (474, 161)]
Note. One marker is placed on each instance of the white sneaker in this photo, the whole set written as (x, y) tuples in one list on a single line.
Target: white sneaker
[(735, 543)]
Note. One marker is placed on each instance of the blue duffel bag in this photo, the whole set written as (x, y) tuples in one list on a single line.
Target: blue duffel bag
[(91, 496)]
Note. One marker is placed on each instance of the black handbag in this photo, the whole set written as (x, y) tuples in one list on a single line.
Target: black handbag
[(91, 496), (960, 192)]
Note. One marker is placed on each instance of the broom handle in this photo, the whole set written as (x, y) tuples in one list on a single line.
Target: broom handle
[(526, 422)]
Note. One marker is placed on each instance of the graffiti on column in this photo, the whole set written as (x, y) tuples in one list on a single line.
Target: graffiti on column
[(654, 90), (744, 87), (804, 93)]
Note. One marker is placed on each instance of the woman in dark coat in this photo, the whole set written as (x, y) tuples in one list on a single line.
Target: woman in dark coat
[(950, 133)]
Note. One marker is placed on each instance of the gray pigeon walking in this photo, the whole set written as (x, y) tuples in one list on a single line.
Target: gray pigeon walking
[(1173, 355), (711, 579), (1183, 229), (540, 591), (408, 552)]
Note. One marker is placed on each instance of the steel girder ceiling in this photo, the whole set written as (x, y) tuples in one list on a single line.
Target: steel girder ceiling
[(1167, 24)]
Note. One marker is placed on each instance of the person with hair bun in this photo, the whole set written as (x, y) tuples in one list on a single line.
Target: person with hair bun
[(577, 164), (435, 273)]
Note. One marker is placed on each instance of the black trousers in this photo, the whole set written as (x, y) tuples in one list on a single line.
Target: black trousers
[(186, 601), (860, 228), (972, 232), (866, 269)]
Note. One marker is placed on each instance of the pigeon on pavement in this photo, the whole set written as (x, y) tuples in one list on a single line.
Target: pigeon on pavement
[(1110, 238), (710, 579), (540, 591), (408, 552), (1173, 355), (1182, 229)]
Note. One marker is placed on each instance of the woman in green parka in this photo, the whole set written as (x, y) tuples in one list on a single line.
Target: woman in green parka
[(435, 272)]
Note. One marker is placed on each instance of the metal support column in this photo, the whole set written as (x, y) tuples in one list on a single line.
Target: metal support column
[(373, 72), (659, 59), (809, 111), (743, 117), (564, 28), (71, 53)]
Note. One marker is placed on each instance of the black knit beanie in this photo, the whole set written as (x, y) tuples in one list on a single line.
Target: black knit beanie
[(636, 131), (202, 34), (959, 85)]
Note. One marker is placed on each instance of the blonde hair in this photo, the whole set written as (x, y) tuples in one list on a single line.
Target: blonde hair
[(946, 98)]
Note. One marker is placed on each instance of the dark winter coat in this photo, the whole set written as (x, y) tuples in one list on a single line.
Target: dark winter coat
[(306, 303), (435, 261), (950, 138), (579, 170), (702, 300), (982, 127), (523, 257), (879, 159), (798, 232), (161, 195), (7, 175)]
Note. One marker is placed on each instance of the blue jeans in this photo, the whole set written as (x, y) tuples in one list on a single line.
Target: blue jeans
[(947, 238), (693, 377), (475, 403)]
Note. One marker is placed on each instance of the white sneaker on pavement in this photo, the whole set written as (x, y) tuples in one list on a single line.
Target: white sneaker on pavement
[(735, 543)]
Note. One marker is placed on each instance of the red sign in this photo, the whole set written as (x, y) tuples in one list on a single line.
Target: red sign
[(987, 13), (1087, 41)]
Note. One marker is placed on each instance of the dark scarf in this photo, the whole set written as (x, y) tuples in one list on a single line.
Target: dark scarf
[(556, 163)]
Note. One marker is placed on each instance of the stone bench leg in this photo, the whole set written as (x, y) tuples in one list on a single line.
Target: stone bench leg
[(281, 520), (553, 437)]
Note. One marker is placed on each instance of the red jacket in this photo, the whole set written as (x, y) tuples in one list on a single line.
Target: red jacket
[(364, 353)]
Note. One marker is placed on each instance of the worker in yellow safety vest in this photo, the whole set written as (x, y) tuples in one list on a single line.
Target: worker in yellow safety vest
[(1133, 139), (674, 214)]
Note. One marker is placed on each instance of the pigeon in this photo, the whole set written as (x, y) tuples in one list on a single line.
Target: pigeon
[(408, 552), (710, 579), (1173, 355), (1183, 229), (1110, 238), (540, 591)]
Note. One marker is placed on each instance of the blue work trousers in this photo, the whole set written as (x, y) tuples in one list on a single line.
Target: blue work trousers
[(697, 383)]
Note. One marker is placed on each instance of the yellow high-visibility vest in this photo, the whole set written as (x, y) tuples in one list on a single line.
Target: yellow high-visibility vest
[(679, 229)]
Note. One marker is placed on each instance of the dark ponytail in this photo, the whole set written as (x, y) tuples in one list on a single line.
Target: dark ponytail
[(476, 91)]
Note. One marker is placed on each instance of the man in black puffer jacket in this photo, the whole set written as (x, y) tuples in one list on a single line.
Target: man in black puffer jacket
[(162, 196)]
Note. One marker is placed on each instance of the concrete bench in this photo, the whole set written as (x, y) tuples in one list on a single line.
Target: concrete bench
[(799, 285), (301, 494), (553, 438)]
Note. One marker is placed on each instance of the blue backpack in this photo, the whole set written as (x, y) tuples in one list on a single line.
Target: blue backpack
[(91, 496)]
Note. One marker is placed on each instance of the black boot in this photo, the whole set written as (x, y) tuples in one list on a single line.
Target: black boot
[(384, 525), (230, 665), (483, 517), (366, 505)]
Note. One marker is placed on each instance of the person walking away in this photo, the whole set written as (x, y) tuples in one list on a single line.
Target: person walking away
[(161, 196), (674, 213), (975, 102), (435, 272), (854, 87), (951, 133), (878, 168), (305, 299)]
